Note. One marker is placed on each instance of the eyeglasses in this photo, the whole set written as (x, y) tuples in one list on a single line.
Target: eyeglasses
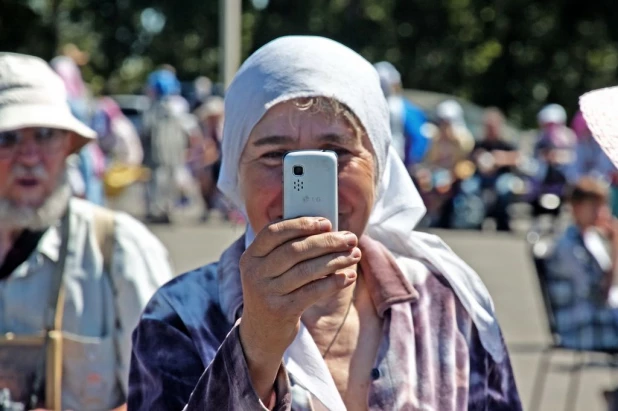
[(49, 139)]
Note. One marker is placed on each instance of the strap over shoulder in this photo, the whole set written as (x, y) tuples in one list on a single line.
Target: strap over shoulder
[(104, 234)]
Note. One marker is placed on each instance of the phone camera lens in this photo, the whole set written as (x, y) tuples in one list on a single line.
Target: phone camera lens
[(298, 170)]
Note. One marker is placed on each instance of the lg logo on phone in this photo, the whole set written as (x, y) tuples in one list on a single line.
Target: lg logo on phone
[(307, 199)]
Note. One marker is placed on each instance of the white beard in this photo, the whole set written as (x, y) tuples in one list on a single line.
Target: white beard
[(13, 216)]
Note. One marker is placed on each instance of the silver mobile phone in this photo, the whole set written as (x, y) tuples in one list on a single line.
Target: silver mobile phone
[(310, 185)]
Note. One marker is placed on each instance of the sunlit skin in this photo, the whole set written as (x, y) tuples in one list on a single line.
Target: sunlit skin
[(28, 189), (286, 128), (589, 213)]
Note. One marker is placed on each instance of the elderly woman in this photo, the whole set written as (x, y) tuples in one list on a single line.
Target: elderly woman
[(297, 316)]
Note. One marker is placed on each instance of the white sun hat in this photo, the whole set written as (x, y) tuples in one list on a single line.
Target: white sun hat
[(389, 76), (552, 114), (33, 95), (600, 110)]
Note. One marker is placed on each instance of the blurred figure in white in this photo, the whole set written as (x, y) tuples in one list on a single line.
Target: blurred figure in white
[(166, 139)]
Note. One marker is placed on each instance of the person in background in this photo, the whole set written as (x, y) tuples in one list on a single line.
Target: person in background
[(166, 139), (90, 159), (438, 175), (69, 269), (549, 178), (207, 154), (494, 157), (164, 83), (118, 138), (581, 271), (598, 109), (590, 159), (203, 89), (408, 122), (555, 133), (120, 142), (451, 140)]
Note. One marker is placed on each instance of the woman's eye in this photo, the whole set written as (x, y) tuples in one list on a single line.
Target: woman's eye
[(340, 151), (274, 155)]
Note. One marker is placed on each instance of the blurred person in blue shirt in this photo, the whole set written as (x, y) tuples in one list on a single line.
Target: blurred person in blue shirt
[(581, 271), (408, 122)]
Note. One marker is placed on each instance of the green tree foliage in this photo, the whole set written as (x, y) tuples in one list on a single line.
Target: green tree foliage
[(24, 29), (515, 54)]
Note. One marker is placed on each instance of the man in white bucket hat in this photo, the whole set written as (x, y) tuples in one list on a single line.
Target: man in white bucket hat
[(74, 277)]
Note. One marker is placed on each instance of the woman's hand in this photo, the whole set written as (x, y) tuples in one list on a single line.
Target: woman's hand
[(289, 267)]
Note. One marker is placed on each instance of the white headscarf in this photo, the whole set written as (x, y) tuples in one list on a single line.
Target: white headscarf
[(306, 66)]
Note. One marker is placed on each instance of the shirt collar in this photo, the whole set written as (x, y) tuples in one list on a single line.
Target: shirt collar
[(385, 281), (49, 245)]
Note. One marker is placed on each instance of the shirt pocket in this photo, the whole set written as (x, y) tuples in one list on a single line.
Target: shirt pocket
[(89, 380)]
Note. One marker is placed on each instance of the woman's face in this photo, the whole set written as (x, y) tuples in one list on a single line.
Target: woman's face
[(285, 127)]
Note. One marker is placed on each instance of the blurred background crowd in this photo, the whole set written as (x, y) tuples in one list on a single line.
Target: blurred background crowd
[(442, 64)]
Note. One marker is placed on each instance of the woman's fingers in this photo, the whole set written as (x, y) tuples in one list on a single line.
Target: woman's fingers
[(294, 252), (314, 269), (288, 267), (281, 232), (314, 291)]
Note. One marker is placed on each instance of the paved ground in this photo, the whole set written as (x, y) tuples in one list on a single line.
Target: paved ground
[(501, 260)]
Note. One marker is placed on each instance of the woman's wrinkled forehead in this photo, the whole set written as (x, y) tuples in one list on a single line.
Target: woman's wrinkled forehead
[(287, 117), (308, 123)]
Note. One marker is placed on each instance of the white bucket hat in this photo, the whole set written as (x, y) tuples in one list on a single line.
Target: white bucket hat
[(452, 112), (389, 76), (552, 113), (600, 109), (32, 95)]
